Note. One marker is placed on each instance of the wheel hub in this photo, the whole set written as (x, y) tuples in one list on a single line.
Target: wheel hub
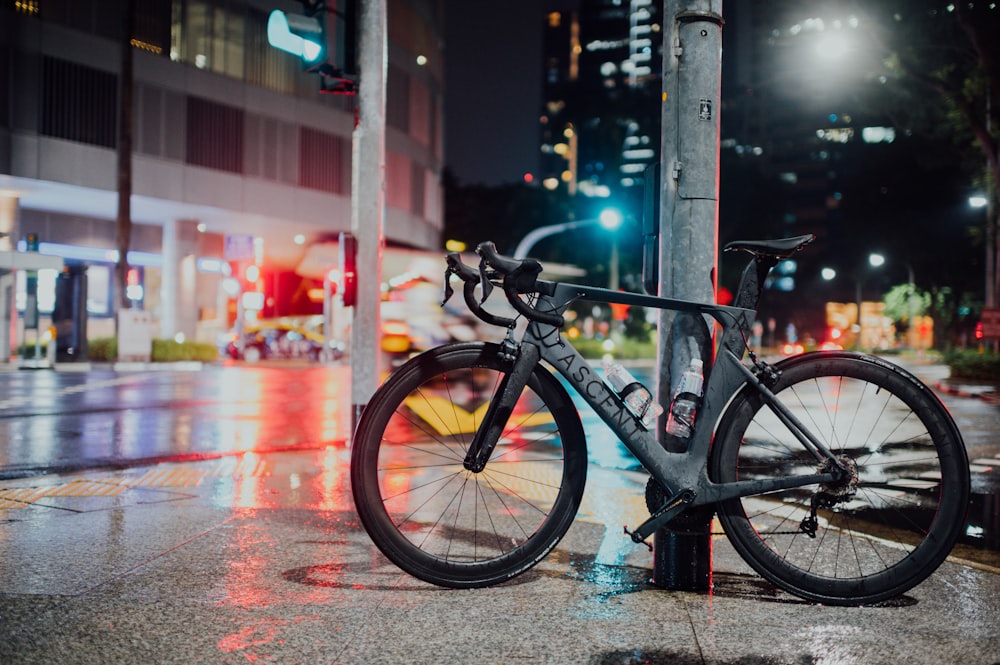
[(843, 488)]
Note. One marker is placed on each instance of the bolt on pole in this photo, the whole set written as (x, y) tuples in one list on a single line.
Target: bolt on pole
[(688, 250), (368, 202)]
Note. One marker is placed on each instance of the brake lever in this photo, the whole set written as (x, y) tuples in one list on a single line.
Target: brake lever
[(484, 282), (448, 291)]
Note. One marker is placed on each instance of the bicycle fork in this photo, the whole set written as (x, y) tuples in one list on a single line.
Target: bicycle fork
[(524, 358)]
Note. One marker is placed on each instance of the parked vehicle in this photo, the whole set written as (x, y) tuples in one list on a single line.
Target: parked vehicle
[(281, 339)]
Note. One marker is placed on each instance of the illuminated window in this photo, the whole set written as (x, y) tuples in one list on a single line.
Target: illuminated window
[(878, 134), (836, 134)]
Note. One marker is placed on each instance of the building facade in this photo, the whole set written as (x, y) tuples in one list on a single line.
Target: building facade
[(236, 156)]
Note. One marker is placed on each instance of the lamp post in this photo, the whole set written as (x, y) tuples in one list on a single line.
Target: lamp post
[(992, 253), (874, 261), (981, 201), (609, 218)]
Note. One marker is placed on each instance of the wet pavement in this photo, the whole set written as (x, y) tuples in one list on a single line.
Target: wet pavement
[(259, 558), (228, 555)]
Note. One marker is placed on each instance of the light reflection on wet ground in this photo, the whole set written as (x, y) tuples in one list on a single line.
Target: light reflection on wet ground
[(260, 558), (257, 556)]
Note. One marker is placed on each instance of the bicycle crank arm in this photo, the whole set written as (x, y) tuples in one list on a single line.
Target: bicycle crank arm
[(673, 507), (501, 406)]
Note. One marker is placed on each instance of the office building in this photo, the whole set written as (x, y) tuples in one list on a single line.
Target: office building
[(601, 85), (236, 156)]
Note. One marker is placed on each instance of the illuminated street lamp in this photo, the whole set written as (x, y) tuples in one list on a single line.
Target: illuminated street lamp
[(981, 201), (610, 219), (875, 260)]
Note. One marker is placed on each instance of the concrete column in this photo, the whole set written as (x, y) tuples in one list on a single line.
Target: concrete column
[(178, 286), (8, 313), (8, 220), (368, 202)]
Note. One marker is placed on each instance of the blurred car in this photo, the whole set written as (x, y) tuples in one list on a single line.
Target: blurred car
[(269, 340), (404, 339)]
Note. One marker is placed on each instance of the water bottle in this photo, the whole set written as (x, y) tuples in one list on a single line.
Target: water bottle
[(685, 403), (635, 395)]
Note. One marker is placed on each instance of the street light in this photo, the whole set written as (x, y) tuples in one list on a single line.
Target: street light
[(992, 250), (875, 260), (609, 218)]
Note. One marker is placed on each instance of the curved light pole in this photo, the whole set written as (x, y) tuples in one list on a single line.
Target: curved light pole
[(609, 218)]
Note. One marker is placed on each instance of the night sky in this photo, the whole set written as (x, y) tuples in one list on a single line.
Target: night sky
[(493, 79)]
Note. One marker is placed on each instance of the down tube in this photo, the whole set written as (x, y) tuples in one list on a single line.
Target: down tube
[(608, 406)]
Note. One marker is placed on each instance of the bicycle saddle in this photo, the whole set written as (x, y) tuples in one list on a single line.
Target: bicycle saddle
[(781, 248)]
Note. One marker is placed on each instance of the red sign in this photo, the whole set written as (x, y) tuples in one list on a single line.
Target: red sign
[(619, 311), (991, 323)]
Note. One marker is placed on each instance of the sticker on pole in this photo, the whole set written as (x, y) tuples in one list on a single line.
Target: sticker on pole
[(704, 109)]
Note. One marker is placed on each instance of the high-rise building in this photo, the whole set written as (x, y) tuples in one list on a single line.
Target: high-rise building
[(600, 121), (236, 154)]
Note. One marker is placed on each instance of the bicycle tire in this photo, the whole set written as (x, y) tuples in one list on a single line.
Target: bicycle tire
[(429, 515), (876, 536)]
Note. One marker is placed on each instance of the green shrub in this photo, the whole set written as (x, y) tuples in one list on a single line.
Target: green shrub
[(971, 364), (105, 349), (628, 349), (168, 350)]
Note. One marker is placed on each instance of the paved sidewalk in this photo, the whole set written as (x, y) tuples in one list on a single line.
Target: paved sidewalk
[(259, 559)]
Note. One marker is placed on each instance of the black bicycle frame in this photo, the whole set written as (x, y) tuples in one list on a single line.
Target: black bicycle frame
[(684, 476)]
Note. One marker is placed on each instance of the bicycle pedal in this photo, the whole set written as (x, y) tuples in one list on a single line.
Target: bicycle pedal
[(637, 539)]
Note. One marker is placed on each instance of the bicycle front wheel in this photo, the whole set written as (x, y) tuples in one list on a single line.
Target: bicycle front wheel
[(436, 519), (877, 533)]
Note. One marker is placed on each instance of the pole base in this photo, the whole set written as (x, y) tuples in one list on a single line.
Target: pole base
[(682, 552)]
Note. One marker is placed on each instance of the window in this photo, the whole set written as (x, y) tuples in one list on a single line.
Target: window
[(214, 135), (321, 161), (271, 149), (397, 112), (78, 103)]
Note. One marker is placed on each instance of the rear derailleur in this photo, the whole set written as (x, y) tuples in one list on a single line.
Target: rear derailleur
[(830, 494)]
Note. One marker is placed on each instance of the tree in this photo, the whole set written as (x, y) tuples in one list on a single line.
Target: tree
[(904, 302), (942, 68)]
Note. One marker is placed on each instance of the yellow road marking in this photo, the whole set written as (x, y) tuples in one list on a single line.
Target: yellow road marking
[(446, 417)]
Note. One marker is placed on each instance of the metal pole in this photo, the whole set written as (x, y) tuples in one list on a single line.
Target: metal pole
[(689, 198), (368, 202)]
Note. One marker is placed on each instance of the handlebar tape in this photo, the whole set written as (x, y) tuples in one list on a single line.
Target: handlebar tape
[(519, 276), (470, 277)]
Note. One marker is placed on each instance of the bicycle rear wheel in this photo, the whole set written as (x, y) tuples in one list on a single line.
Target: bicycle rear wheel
[(434, 518), (877, 534)]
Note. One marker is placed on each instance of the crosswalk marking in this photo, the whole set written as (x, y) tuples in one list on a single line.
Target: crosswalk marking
[(164, 475)]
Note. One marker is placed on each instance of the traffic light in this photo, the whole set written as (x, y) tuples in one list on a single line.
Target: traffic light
[(325, 37), (303, 36), (348, 250)]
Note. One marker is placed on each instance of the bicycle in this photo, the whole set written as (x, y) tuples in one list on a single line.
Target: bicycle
[(837, 476)]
